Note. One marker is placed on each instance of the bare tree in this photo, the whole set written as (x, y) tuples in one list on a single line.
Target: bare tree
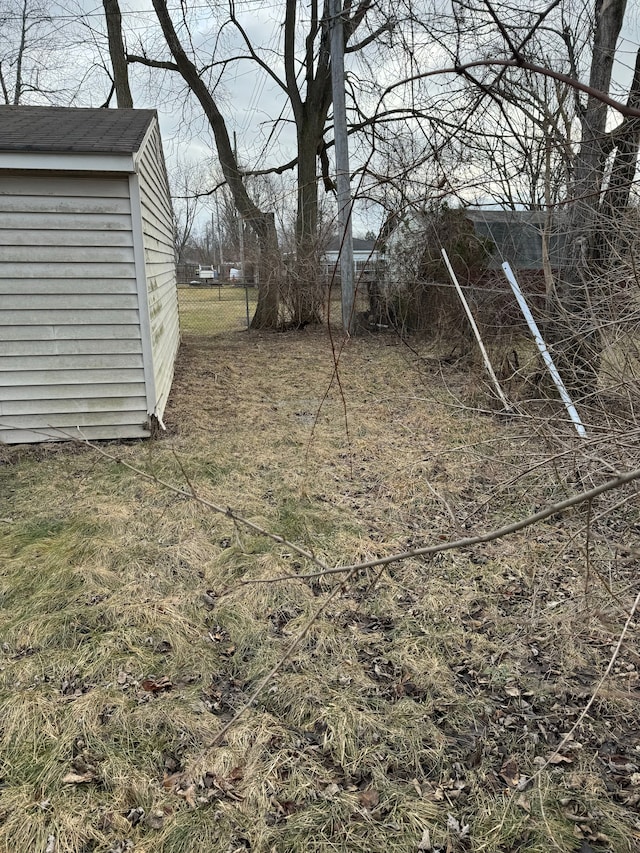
[(262, 222), (550, 143), (187, 180), (28, 43), (605, 166), (300, 69), (596, 169), (36, 41)]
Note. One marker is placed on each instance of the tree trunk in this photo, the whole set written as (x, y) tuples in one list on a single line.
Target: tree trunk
[(263, 224), (624, 166), (117, 54), (305, 287), (575, 327), (269, 274)]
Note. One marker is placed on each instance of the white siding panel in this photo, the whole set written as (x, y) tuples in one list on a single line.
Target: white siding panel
[(61, 185), (55, 204), (11, 363), (56, 347), (70, 237), (67, 221), (70, 392), (35, 269), (54, 254), (70, 343), (103, 376), (70, 286), (71, 332), (159, 254), (71, 421), (70, 302), (17, 435), (156, 236), (75, 406), (61, 318)]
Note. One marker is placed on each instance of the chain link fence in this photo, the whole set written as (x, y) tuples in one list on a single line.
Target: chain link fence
[(212, 309), (216, 306)]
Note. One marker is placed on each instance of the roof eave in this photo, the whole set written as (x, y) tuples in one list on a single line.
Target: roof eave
[(67, 161)]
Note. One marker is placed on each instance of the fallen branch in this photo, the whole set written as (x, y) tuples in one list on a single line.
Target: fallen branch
[(428, 550), (192, 494), (490, 536)]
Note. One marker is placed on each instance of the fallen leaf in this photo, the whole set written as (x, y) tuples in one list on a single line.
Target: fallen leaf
[(155, 820), (170, 780), (453, 825), (523, 803), (510, 772), (155, 685), (189, 795), (369, 799), (135, 815), (556, 758), (424, 845), (79, 778)]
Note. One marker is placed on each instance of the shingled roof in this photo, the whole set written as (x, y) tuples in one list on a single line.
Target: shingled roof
[(73, 129)]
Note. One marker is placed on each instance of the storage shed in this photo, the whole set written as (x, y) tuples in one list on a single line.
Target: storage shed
[(88, 302)]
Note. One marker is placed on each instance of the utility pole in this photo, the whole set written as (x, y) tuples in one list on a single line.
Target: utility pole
[(343, 180)]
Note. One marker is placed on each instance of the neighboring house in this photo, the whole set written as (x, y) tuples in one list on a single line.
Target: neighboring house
[(366, 258), (515, 236), (88, 301)]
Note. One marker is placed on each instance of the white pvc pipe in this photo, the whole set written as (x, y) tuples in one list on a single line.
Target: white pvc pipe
[(476, 332), (546, 355)]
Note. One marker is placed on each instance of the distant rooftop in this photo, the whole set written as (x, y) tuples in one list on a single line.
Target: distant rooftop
[(359, 245), (73, 129)]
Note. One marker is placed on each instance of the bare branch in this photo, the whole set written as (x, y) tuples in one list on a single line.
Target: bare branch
[(254, 56), (151, 63), (385, 28), (460, 69)]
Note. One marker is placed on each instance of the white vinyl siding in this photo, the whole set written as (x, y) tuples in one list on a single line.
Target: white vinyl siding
[(70, 341), (160, 266)]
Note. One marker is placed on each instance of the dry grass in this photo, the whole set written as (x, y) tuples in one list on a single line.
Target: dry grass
[(422, 699)]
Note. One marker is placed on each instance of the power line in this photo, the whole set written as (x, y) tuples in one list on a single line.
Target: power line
[(252, 5)]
